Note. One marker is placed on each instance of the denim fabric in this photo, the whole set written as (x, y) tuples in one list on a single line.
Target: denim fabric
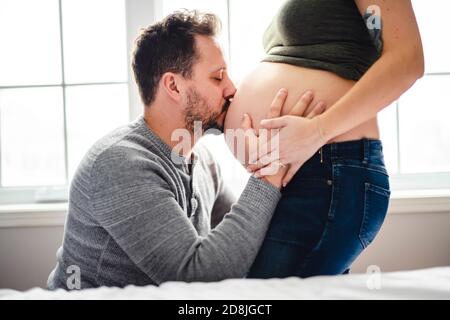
[(328, 214)]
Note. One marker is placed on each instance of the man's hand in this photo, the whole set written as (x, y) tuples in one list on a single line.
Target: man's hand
[(268, 150), (252, 138)]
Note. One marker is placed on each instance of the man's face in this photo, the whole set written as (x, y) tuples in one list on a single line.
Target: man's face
[(209, 90)]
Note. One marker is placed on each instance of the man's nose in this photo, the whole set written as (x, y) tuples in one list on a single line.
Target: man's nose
[(230, 89)]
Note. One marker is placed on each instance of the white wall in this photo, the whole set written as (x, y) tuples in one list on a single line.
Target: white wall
[(27, 255), (407, 241)]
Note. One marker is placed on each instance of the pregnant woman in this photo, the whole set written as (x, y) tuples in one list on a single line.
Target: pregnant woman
[(338, 193)]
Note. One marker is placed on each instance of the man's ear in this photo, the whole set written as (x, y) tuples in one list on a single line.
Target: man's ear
[(170, 83)]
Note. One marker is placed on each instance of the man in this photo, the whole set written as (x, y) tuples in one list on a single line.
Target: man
[(138, 212)]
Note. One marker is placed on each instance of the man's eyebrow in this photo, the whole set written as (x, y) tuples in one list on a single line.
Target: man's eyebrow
[(219, 69)]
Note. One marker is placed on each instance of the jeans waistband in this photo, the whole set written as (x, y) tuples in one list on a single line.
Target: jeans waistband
[(363, 150)]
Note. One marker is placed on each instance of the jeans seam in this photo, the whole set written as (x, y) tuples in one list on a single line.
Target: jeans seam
[(363, 167), (378, 189), (369, 187), (329, 220), (334, 188), (361, 229)]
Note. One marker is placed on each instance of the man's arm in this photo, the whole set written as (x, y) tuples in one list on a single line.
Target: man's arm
[(132, 200)]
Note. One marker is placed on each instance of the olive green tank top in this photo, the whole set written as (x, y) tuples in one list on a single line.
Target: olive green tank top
[(323, 34)]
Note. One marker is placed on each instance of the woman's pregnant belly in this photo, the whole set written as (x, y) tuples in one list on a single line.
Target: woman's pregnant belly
[(257, 90)]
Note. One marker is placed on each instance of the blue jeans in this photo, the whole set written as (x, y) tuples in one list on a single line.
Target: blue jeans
[(328, 214)]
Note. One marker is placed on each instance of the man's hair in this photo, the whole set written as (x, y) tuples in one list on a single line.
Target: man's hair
[(169, 46)]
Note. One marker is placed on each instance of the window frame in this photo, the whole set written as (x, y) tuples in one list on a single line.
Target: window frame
[(54, 193), (422, 182)]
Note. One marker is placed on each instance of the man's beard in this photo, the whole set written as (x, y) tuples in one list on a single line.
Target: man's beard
[(197, 109)]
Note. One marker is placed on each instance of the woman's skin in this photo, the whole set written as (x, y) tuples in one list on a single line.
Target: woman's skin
[(258, 88), (353, 107), (302, 108)]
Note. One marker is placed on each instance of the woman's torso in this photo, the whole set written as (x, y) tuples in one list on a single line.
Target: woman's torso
[(304, 39), (257, 90)]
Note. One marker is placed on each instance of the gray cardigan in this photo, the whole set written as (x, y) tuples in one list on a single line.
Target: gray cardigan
[(138, 216)]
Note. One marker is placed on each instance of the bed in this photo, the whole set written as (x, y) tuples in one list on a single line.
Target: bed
[(433, 283)]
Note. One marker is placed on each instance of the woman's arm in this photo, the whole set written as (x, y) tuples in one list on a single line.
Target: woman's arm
[(400, 65)]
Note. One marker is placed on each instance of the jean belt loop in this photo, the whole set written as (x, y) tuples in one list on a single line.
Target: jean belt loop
[(366, 151), (321, 154)]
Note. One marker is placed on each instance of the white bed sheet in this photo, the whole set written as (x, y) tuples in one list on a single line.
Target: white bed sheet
[(431, 283)]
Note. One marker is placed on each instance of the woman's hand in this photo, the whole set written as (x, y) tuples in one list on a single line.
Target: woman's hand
[(298, 137)]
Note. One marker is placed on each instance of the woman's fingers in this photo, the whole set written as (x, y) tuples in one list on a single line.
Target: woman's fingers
[(302, 104), (277, 104), (318, 109), (276, 123), (246, 122), (258, 161), (268, 149)]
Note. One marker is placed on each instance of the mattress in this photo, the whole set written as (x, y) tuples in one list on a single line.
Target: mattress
[(433, 283)]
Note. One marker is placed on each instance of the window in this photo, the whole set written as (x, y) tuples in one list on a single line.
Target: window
[(63, 85)]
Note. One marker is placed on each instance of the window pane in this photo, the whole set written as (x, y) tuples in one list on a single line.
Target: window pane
[(218, 7), (94, 40), (30, 42), (32, 137), (424, 130), (92, 112), (388, 130), (433, 25), (248, 21)]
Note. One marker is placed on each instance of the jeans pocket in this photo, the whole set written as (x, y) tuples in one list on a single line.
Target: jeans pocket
[(376, 203)]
